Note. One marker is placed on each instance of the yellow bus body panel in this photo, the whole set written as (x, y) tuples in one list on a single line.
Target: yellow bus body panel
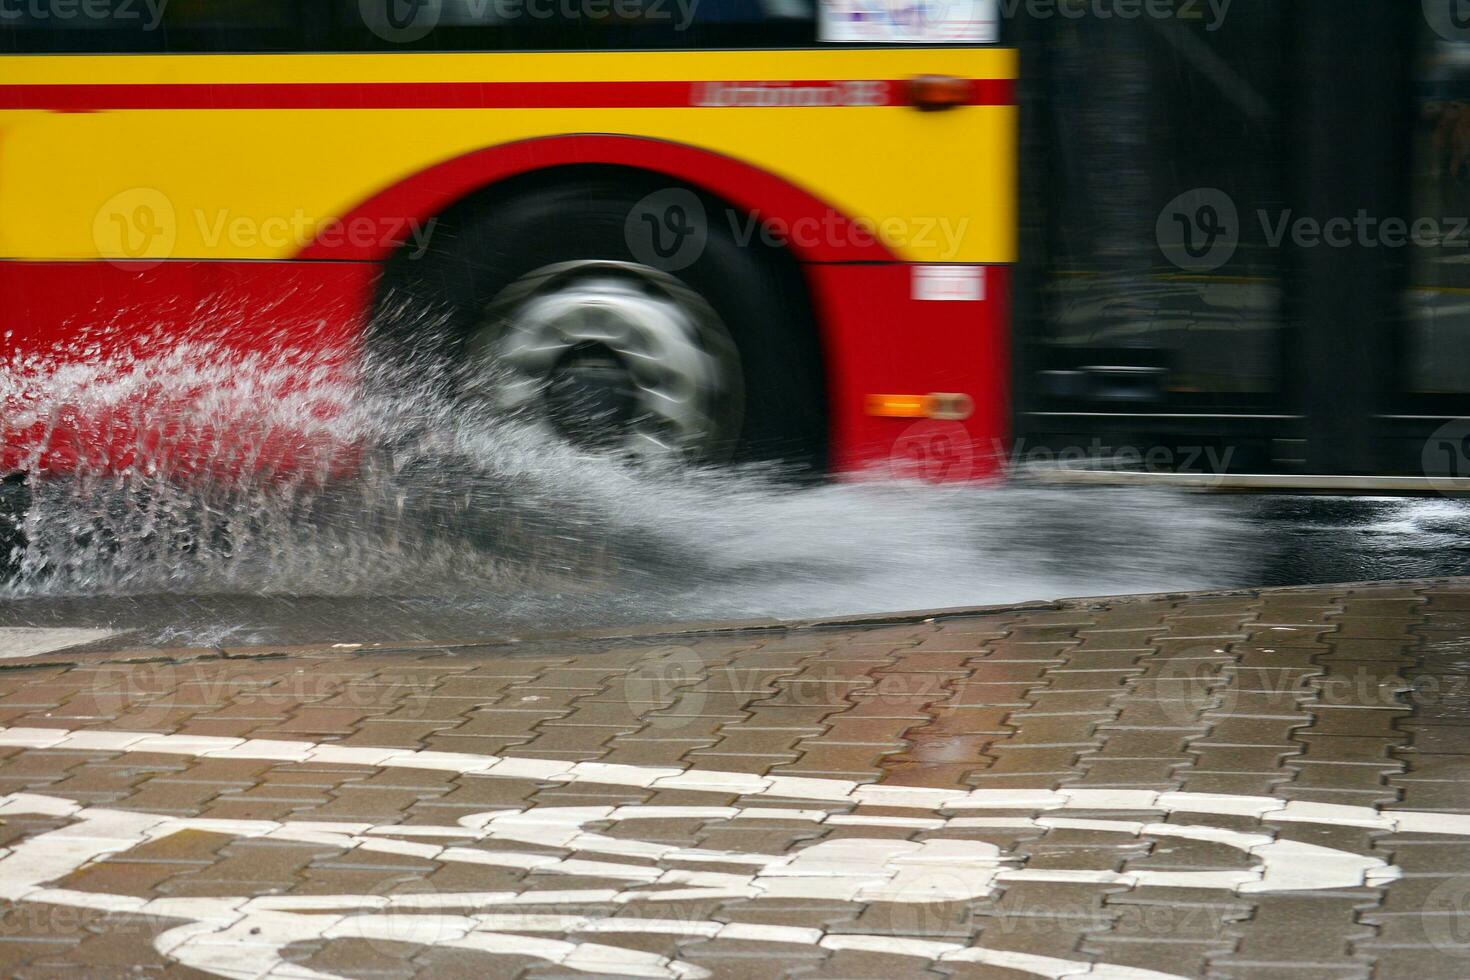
[(256, 183)]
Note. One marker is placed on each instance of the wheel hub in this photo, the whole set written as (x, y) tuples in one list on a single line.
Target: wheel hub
[(590, 396), (614, 355)]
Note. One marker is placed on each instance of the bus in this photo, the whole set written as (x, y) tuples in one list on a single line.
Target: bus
[(723, 229)]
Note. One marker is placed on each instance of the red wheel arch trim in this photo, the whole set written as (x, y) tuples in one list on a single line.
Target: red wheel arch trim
[(756, 191)]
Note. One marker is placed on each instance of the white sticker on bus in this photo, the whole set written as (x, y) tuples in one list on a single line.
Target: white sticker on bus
[(949, 283), (909, 21)]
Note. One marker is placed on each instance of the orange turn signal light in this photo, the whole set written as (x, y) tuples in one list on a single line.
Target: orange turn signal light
[(930, 92), (945, 406)]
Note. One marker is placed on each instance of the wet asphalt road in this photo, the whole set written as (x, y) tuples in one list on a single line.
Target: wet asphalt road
[(1354, 539)]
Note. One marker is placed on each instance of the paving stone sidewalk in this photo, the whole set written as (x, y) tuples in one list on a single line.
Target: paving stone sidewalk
[(1247, 785)]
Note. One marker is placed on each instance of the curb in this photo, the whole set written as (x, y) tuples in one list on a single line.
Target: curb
[(514, 640)]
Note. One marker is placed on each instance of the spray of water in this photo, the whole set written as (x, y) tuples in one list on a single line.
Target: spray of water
[(206, 471)]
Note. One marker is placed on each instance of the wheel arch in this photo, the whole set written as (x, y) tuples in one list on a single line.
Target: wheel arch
[(456, 192)]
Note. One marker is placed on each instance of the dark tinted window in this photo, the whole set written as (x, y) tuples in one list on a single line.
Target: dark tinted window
[(1438, 318), (183, 26), (1145, 121)]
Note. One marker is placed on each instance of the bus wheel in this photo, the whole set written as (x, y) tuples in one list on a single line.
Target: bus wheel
[(550, 309), (614, 355)]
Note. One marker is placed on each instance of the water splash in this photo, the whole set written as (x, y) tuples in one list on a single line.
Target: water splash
[(206, 471)]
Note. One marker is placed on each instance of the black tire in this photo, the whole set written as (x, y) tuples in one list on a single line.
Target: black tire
[(429, 304)]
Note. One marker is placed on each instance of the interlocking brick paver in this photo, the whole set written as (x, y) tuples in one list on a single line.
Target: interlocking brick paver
[(727, 772)]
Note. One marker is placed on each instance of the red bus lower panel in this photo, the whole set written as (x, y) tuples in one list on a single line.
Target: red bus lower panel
[(882, 340), (208, 368), (212, 366)]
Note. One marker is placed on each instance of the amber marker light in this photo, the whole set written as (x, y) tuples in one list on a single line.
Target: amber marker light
[(931, 92), (946, 406)]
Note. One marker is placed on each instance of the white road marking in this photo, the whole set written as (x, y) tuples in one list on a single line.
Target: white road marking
[(17, 642), (243, 937), (805, 788)]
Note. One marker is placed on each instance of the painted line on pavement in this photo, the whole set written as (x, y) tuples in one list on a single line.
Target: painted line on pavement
[(806, 788)]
